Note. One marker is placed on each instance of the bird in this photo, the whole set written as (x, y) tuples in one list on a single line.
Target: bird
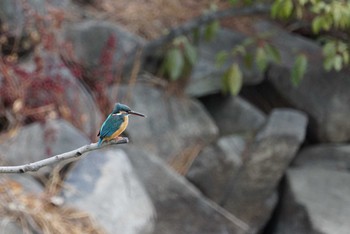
[(115, 123)]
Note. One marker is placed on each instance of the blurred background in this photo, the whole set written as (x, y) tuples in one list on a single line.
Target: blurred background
[(247, 124)]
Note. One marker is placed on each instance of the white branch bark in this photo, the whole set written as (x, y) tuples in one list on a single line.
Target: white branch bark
[(34, 166)]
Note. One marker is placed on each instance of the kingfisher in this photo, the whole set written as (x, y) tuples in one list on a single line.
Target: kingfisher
[(116, 123)]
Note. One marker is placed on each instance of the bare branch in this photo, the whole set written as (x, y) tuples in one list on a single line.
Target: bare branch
[(34, 166)]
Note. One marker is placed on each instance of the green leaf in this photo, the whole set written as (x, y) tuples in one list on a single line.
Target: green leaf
[(248, 60), (239, 49), (317, 24), (282, 9), (221, 58), (273, 53), (232, 2), (299, 69), (232, 80), (338, 63), (261, 59), (174, 63), (190, 53), (211, 30), (196, 35)]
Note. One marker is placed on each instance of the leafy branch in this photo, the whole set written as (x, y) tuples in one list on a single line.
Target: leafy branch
[(34, 166), (204, 19)]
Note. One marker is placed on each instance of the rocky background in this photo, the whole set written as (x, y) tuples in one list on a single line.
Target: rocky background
[(273, 160)]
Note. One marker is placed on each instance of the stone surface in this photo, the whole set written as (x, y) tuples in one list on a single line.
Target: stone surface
[(215, 167), (172, 123), (315, 201), (13, 14), (180, 207), (234, 115), (328, 156), (324, 96), (8, 226), (16, 185), (75, 102), (253, 193), (104, 184), (91, 37), (206, 76), (38, 141)]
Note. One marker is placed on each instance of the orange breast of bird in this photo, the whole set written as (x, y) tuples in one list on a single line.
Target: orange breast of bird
[(120, 130)]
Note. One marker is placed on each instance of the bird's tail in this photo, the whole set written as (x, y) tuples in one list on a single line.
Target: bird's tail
[(100, 142)]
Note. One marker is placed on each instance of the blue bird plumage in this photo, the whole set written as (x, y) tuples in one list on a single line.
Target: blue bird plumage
[(115, 123)]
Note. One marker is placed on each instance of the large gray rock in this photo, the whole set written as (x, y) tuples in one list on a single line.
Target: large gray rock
[(60, 87), (92, 38), (41, 140), (252, 194), (234, 115), (206, 76), (12, 14), (172, 123), (180, 207), (327, 156), (16, 186), (323, 95), (316, 201), (215, 167), (105, 185)]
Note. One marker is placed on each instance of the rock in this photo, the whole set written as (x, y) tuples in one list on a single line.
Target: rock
[(328, 156), (16, 185), (9, 226), (206, 76), (27, 182), (19, 22), (234, 115), (214, 168), (60, 87), (315, 201), (92, 38), (252, 194), (172, 124), (38, 141), (322, 95), (180, 207), (104, 184), (13, 14)]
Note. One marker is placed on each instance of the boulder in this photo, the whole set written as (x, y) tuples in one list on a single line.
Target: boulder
[(322, 95), (105, 185), (60, 87), (13, 14), (252, 194), (16, 185), (234, 115), (172, 124), (206, 75), (180, 207), (216, 165), (315, 201), (92, 40), (328, 156), (41, 140)]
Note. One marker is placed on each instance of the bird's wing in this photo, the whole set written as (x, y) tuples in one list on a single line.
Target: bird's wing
[(111, 125)]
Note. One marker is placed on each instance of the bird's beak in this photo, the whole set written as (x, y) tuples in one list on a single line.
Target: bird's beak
[(136, 113)]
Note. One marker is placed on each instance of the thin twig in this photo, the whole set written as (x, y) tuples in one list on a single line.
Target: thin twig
[(34, 166)]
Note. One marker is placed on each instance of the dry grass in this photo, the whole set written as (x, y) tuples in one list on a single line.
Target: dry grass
[(37, 213), (151, 18), (182, 162)]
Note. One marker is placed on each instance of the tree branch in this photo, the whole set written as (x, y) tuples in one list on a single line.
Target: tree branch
[(189, 26), (60, 157)]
